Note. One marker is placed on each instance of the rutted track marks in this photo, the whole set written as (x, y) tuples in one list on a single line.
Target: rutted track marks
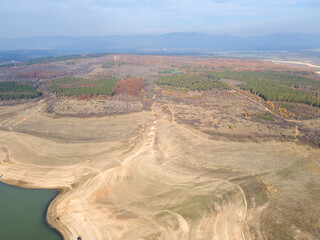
[(161, 184)]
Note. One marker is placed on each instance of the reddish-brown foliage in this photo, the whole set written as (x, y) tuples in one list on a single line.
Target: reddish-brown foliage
[(130, 87)]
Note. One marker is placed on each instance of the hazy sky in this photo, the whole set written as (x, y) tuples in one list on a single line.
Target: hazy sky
[(25, 18)]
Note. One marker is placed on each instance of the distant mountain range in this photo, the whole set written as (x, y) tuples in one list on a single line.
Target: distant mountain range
[(183, 43)]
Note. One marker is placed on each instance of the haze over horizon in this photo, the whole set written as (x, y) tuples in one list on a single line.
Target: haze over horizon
[(30, 18)]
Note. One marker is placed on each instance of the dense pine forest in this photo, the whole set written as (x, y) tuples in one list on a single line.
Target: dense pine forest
[(193, 82), (69, 87), (13, 90), (274, 86)]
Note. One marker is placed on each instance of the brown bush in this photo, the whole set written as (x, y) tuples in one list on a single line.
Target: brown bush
[(130, 87)]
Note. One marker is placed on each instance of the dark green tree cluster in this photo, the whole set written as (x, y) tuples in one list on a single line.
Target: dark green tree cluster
[(171, 71), (193, 82), (13, 90), (111, 64), (108, 65), (273, 86), (299, 72), (70, 87)]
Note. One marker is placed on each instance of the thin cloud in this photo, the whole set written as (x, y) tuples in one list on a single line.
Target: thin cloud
[(98, 17)]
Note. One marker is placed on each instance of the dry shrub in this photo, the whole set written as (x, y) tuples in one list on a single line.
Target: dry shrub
[(130, 87)]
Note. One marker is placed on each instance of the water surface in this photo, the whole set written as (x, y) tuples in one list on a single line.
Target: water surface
[(23, 213)]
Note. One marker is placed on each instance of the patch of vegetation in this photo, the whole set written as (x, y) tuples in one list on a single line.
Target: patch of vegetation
[(107, 65), (286, 173), (12, 90), (246, 113), (265, 116), (255, 190), (111, 64), (300, 72), (275, 86), (174, 89), (281, 220), (131, 87), (75, 87), (313, 189), (171, 71), (286, 106), (193, 82), (193, 207)]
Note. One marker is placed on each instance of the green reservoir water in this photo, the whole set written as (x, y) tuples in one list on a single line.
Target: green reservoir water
[(23, 212)]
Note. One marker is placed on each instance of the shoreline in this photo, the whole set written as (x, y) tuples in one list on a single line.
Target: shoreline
[(47, 220), (51, 220)]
